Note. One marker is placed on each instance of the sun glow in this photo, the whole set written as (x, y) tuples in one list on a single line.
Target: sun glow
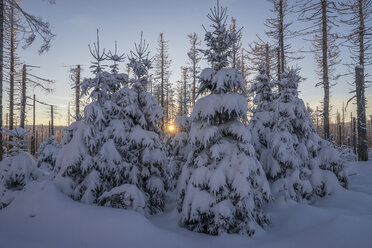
[(171, 128)]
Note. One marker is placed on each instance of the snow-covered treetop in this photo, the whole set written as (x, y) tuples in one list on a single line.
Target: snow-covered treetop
[(262, 87), (17, 139), (101, 87), (220, 40), (97, 55), (220, 79), (139, 60), (289, 84), (115, 58)]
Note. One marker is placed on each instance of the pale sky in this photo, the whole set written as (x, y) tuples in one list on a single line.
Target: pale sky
[(75, 22)]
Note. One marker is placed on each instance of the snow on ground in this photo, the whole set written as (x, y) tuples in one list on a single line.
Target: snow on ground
[(42, 216)]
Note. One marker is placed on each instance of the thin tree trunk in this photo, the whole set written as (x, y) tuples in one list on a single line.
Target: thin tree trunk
[(361, 115), (12, 68), (354, 136), (325, 69), (23, 98), (52, 120), (77, 91), (33, 148), (1, 72), (281, 36), (267, 60), (194, 74)]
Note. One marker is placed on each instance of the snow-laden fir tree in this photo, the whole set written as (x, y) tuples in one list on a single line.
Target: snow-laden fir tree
[(321, 152), (89, 162), (145, 152), (16, 170), (113, 156), (47, 154), (296, 160), (222, 185)]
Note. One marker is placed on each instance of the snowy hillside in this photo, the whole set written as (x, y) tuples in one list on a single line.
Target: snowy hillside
[(42, 216)]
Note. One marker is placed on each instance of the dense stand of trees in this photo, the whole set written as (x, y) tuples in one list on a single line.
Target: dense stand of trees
[(320, 19)]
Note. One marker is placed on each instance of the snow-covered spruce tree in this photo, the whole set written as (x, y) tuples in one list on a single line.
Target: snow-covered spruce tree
[(222, 185), (48, 152), (144, 152), (89, 162), (17, 169), (292, 154), (319, 150), (113, 156), (262, 121)]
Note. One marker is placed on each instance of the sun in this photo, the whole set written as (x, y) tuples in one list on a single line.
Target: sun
[(171, 128)]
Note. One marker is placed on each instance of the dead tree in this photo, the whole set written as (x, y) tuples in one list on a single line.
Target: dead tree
[(321, 14), (261, 53), (194, 58), (279, 31), (1, 72), (354, 136), (357, 15), (30, 27), (236, 46), (162, 72), (29, 79), (361, 114)]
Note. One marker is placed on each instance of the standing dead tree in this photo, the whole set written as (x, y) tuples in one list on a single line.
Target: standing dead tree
[(279, 31), (194, 58), (261, 52), (236, 46), (322, 16), (162, 72), (356, 14), (31, 80), (31, 27)]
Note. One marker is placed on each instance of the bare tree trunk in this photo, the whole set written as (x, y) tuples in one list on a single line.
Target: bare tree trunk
[(33, 148), (52, 120), (68, 115), (194, 80), (279, 67), (77, 91), (354, 136), (162, 79), (281, 36), (343, 123), (12, 68), (23, 98), (185, 91), (1, 73), (339, 138), (325, 69), (267, 60), (317, 120), (361, 115)]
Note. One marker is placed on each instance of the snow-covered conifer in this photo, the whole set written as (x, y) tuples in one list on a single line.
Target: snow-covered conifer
[(17, 169), (293, 156), (47, 154), (113, 156), (144, 148), (222, 185)]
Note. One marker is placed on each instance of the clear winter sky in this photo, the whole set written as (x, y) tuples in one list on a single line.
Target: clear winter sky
[(75, 22)]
